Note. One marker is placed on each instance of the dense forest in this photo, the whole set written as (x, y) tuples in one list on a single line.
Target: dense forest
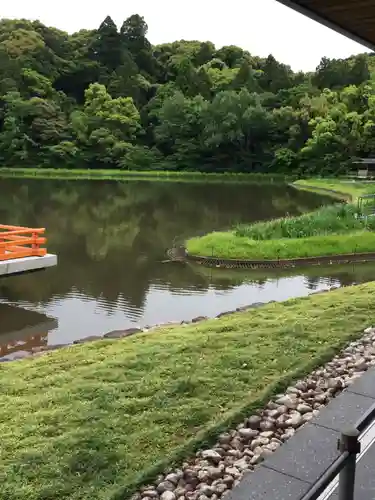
[(107, 98)]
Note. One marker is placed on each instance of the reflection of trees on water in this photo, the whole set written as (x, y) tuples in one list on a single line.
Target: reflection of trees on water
[(111, 236), (312, 283)]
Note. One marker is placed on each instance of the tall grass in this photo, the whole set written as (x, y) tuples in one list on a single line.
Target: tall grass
[(335, 219)]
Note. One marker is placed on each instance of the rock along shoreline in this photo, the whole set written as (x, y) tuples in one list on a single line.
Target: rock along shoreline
[(129, 332), (329, 260), (213, 472)]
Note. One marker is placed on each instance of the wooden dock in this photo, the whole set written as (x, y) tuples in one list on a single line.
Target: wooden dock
[(22, 250)]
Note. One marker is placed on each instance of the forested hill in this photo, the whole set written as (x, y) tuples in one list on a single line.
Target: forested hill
[(107, 98)]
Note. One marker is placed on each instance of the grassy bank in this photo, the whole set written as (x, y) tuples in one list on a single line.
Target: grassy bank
[(331, 230), (124, 175), (227, 245), (94, 421), (347, 189)]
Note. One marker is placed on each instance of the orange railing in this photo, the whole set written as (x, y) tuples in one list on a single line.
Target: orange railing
[(17, 242), (13, 346)]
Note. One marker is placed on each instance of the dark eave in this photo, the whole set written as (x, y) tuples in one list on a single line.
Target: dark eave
[(352, 18)]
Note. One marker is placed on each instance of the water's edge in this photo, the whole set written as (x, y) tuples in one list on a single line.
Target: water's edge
[(129, 332)]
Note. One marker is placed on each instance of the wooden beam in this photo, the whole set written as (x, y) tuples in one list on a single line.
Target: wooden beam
[(315, 16)]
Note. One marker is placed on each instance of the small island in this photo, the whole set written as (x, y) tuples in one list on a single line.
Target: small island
[(334, 230)]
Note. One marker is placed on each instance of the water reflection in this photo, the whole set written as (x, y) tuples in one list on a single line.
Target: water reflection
[(111, 239), (220, 290), (312, 278), (23, 331)]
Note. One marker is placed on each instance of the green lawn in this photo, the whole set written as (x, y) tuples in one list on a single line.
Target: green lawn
[(93, 421), (228, 245)]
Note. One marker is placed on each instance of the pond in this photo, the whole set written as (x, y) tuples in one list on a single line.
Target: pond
[(111, 239)]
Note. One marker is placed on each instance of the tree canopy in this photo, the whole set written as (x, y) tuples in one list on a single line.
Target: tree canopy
[(108, 98)]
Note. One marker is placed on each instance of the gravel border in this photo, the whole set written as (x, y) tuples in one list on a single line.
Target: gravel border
[(212, 473)]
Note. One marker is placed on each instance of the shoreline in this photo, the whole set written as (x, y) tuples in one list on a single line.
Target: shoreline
[(324, 191), (156, 328), (253, 246), (131, 331), (312, 330), (128, 175), (345, 188), (198, 395), (218, 262)]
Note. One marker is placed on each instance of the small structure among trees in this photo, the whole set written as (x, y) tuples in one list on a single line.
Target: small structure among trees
[(365, 168)]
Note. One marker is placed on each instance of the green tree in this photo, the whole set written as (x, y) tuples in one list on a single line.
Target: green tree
[(246, 78), (231, 55), (30, 127), (106, 47), (106, 127), (109, 98), (275, 76), (133, 35), (179, 133), (238, 127)]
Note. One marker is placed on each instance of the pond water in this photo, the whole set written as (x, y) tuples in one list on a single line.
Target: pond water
[(111, 239)]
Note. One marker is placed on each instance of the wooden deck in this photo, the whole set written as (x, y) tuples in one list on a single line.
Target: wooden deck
[(22, 249)]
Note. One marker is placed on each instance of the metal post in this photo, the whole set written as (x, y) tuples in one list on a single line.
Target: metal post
[(348, 442)]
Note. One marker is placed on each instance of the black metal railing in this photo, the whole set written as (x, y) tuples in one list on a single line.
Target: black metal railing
[(345, 465)]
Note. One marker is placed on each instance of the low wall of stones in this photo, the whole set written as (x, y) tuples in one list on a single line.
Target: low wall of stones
[(281, 263), (128, 332)]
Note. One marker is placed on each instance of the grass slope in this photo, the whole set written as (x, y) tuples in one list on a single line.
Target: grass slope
[(93, 421)]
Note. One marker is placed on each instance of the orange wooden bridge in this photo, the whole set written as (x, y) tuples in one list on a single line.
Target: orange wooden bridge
[(22, 249)]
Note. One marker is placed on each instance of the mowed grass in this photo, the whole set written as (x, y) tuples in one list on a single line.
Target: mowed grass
[(227, 245), (94, 421)]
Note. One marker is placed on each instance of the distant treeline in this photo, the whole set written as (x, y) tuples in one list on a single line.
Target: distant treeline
[(108, 99)]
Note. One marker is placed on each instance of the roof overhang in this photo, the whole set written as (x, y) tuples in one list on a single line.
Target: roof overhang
[(353, 19)]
